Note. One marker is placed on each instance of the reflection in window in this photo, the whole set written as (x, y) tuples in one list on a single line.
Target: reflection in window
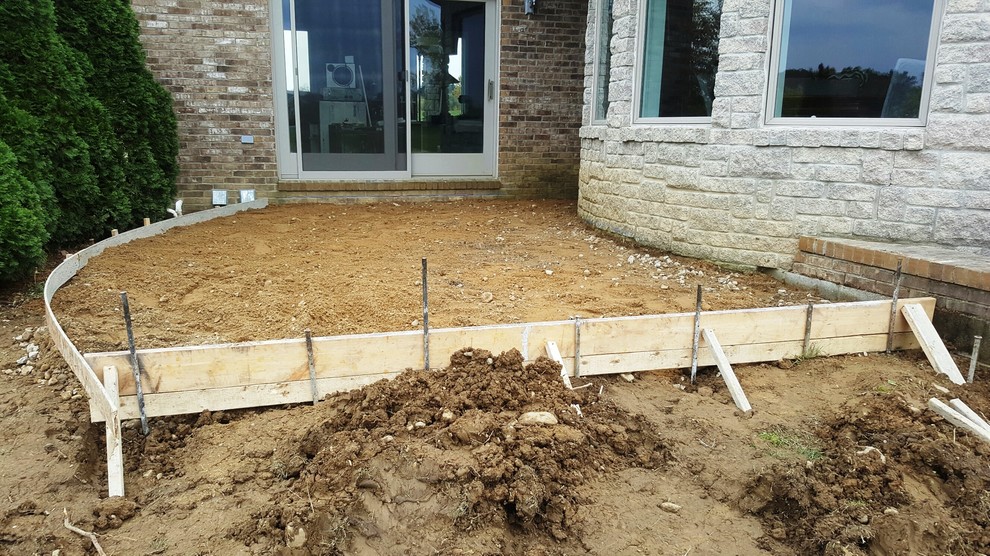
[(603, 62), (852, 58), (680, 58)]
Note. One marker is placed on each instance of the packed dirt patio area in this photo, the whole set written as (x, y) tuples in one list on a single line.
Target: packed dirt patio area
[(840, 455)]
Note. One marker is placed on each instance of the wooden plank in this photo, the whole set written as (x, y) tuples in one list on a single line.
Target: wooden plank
[(931, 343), (735, 389), (968, 412), (99, 400), (740, 326), (115, 450), (201, 367), (241, 397), (529, 339), (957, 419), (230, 365), (752, 353), (862, 318)]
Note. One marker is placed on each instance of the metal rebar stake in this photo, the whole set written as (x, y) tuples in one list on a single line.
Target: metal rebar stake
[(135, 364), (577, 346), (312, 364), (974, 358), (426, 322), (697, 337), (893, 307)]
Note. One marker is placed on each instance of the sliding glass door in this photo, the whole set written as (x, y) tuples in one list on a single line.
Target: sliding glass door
[(453, 87), (350, 75)]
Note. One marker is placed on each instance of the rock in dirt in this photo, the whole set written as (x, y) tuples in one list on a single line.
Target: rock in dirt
[(537, 418), (112, 512), (670, 507), (487, 297)]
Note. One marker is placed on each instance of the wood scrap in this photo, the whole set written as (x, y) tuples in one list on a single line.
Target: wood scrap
[(91, 536), (931, 343), (957, 419), (554, 353), (735, 389), (964, 409)]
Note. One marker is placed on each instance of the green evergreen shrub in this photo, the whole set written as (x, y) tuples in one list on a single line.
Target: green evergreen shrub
[(140, 109), (46, 78), (22, 226)]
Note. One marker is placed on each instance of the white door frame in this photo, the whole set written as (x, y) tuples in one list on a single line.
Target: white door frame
[(419, 165)]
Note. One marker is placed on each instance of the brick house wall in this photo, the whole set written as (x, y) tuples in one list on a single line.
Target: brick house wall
[(541, 97), (742, 192), (216, 60)]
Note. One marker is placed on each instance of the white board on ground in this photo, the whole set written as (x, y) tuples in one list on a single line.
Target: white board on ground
[(957, 419), (931, 343)]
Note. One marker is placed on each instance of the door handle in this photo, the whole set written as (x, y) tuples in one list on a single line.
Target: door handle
[(491, 89)]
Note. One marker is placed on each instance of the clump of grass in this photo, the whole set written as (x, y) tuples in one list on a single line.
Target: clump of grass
[(813, 351), (886, 387), (787, 442)]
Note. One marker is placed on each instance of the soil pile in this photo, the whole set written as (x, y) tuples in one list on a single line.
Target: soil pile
[(862, 493), (482, 457)]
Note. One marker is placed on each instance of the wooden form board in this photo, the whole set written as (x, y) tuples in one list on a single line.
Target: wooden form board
[(270, 370)]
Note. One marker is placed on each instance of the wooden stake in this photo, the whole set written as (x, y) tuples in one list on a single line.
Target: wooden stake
[(697, 336), (115, 453), (426, 321), (114, 232), (312, 364), (147, 221), (135, 363), (577, 346), (974, 358), (893, 306), (735, 389), (931, 343), (553, 352), (807, 327)]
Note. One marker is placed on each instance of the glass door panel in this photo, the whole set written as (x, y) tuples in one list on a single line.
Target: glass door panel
[(452, 89), (351, 95)]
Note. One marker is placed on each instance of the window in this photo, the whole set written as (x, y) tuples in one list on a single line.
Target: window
[(853, 61), (679, 58), (602, 60)]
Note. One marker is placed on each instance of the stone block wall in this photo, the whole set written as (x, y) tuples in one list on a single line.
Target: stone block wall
[(740, 191), (215, 58)]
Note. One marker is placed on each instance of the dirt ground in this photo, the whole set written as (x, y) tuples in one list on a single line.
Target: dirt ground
[(445, 462)]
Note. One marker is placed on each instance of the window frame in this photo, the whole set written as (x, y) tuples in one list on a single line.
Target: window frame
[(774, 80), (599, 8), (637, 93)]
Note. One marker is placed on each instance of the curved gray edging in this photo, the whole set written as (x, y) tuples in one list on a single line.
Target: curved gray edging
[(105, 404)]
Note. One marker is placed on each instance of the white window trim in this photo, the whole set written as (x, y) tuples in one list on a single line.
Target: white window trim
[(637, 95), (777, 27), (599, 8)]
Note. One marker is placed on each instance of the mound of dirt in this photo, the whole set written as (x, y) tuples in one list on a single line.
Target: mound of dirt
[(482, 457), (863, 495)]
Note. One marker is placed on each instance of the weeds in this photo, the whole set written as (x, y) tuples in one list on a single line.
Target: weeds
[(813, 351), (785, 441)]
